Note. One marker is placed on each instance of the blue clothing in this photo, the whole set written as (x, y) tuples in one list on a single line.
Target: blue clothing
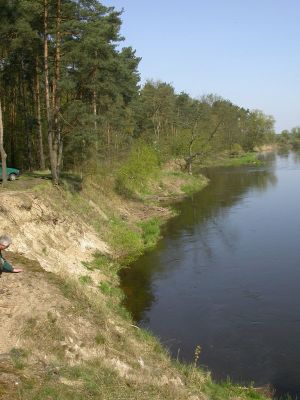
[(5, 265)]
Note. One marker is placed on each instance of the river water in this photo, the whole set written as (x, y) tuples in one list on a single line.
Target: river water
[(226, 276)]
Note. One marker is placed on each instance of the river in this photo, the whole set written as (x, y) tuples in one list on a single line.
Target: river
[(226, 276)]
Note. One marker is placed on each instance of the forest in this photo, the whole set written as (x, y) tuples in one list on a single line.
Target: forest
[(71, 97)]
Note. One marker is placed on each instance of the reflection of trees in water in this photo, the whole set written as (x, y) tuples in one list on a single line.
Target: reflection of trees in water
[(198, 215), (226, 188), (268, 157), (296, 157), (283, 152)]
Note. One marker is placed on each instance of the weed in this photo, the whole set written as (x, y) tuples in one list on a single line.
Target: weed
[(51, 317), (105, 288), (151, 232), (110, 290), (19, 356), (85, 280), (99, 339), (197, 355), (104, 264)]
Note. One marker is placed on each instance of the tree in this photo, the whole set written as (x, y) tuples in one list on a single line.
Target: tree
[(258, 129), (200, 122), (155, 112), (2, 151)]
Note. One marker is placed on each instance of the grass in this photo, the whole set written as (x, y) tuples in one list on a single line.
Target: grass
[(95, 381), (249, 158), (194, 184), (19, 357), (150, 232), (105, 264), (126, 241), (185, 183), (228, 390), (246, 159), (131, 241), (85, 280)]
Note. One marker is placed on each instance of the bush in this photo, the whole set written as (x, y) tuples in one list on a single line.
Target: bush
[(141, 166), (296, 143), (236, 150)]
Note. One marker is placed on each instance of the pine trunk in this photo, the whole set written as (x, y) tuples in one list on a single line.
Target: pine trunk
[(2, 151), (95, 108), (52, 155), (56, 92), (38, 119), (12, 130)]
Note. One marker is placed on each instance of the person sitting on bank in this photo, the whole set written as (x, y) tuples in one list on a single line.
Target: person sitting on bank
[(5, 266)]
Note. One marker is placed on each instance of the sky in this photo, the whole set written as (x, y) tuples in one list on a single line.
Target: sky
[(247, 51)]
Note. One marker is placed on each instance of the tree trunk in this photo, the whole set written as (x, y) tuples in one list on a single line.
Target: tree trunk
[(52, 155), (12, 129), (190, 158), (95, 108), (56, 91), (190, 167), (38, 118), (2, 151), (26, 126)]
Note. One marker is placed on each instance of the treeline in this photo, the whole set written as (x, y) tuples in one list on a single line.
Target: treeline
[(289, 138), (70, 95)]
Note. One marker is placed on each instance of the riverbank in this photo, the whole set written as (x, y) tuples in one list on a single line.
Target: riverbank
[(72, 339), (224, 160)]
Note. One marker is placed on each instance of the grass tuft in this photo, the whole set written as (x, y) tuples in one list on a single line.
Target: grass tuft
[(150, 232)]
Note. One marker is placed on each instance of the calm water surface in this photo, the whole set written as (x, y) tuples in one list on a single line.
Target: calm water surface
[(226, 276)]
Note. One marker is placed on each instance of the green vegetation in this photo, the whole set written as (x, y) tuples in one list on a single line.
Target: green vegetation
[(193, 184), (140, 168), (150, 232), (289, 139), (246, 159), (227, 390), (126, 241), (104, 264), (85, 279), (236, 161), (19, 357)]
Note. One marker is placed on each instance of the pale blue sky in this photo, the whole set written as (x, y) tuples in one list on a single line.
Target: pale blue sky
[(247, 51)]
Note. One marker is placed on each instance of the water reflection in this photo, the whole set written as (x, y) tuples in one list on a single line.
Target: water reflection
[(196, 214)]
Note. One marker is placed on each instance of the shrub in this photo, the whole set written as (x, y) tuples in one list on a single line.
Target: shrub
[(236, 150), (135, 174)]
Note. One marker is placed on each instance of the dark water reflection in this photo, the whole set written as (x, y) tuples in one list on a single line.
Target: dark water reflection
[(226, 276)]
